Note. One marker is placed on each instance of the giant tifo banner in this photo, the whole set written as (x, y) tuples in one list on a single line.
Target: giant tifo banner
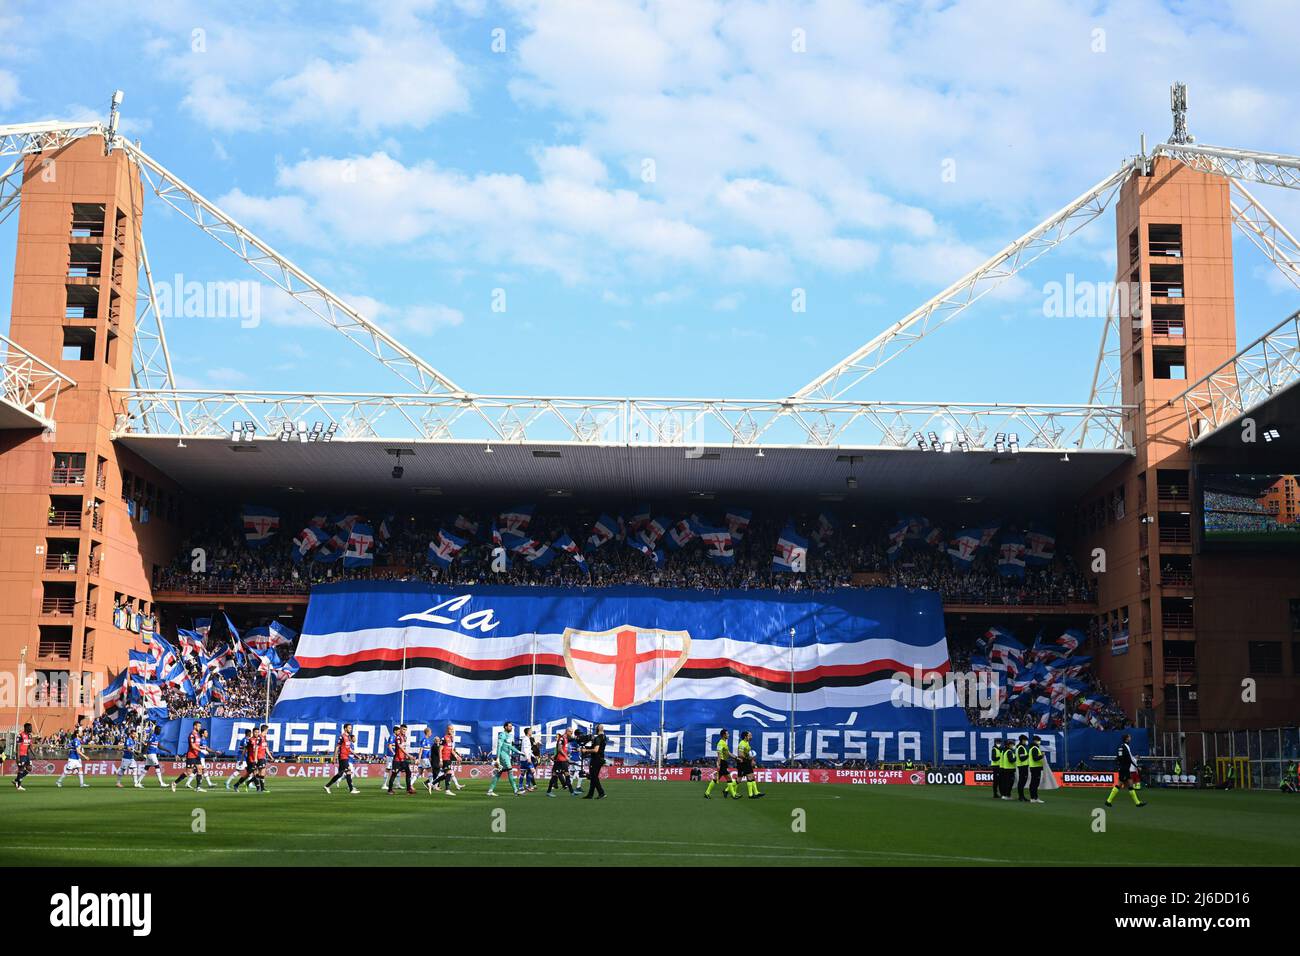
[(812, 676)]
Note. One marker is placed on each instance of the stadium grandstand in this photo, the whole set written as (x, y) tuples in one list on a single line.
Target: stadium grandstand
[(662, 565)]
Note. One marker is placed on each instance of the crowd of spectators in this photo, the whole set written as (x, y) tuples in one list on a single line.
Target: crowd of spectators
[(855, 548), (1017, 713)]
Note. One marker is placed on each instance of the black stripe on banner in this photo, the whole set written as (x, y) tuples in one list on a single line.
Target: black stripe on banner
[(831, 680), (433, 663)]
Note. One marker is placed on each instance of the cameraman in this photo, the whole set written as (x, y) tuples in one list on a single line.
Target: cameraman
[(594, 748)]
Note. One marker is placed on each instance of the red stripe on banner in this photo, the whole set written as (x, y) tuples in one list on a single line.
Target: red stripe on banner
[(812, 673), (437, 653), (623, 661)]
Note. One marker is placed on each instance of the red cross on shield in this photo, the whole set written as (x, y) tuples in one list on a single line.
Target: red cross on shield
[(624, 666)]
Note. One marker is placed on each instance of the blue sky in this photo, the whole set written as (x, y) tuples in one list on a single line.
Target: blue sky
[(413, 168)]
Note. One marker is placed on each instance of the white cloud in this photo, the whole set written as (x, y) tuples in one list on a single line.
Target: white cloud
[(9, 95), (728, 303)]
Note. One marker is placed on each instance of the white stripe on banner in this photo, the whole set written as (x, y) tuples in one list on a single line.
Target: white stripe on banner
[(748, 653)]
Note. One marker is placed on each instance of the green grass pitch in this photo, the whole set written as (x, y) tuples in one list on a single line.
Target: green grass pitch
[(640, 824)]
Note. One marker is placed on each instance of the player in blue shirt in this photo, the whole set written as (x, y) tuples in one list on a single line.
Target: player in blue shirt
[(74, 758), (152, 750), (129, 762)]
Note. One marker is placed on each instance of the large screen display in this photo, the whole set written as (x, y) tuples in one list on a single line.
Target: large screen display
[(1242, 510)]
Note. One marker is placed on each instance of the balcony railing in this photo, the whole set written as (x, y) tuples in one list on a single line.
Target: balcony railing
[(101, 480), (1175, 579), (97, 520), (1180, 665), (62, 562), (67, 476), (65, 519), (1177, 620), (228, 587), (1175, 535), (58, 606)]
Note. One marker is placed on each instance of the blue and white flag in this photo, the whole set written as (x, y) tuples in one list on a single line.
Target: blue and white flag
[(444, 548), (640, 517), (897, 538), (602, 532), (569, 546), (962, 548), (652, 531), (1040, 547), (680, 535), (308, 540), (468, 525), (718, 541), (191, 642), (791, 552), (179, 678), (260, 523), (825, 528), (360, 551), (738, 522), (114, 695), (201, 626), (1070, 640), (537, 553), (518, 518), (1011, 556), (141, 664), (274, 634)]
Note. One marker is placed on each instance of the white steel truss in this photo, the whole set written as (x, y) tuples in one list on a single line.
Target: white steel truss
[(1245, 381), (29, 383), (336, 313), (1268, 235), (945, 306), (151, 365), (1271, 169), (623, 421), (23, 139)]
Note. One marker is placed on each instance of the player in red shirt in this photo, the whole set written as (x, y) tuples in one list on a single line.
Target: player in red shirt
[(448, 756), (24, 756), (262, 755), (193, 758), (248, 757), (401, 759), (344, 753), (560, 765)]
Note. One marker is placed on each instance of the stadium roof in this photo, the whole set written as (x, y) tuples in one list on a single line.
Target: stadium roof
[(1032, 478)]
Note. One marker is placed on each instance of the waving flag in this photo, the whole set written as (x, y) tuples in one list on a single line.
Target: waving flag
[(361, 541), (114, 695), (236, 651), (287, 669), (260, 523), (308, 540), (201, 626), (274, 634), (602, 532), (680, 535), (141, 664), (385, 529), (179, 678), (640, 518), (514, 542), (444, 548), (328, 552), (191, 642), (467, 525), (719, 544), (825, 528), (319, 520), (987, 533), (635, 543), (652, 531), (537, 553), (738, 522), (345, 521), (791, 552), (569, 546), (897, 537), (1011, 556), (963, 547), (518, 518), (1040, 547), (1070, 640)]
